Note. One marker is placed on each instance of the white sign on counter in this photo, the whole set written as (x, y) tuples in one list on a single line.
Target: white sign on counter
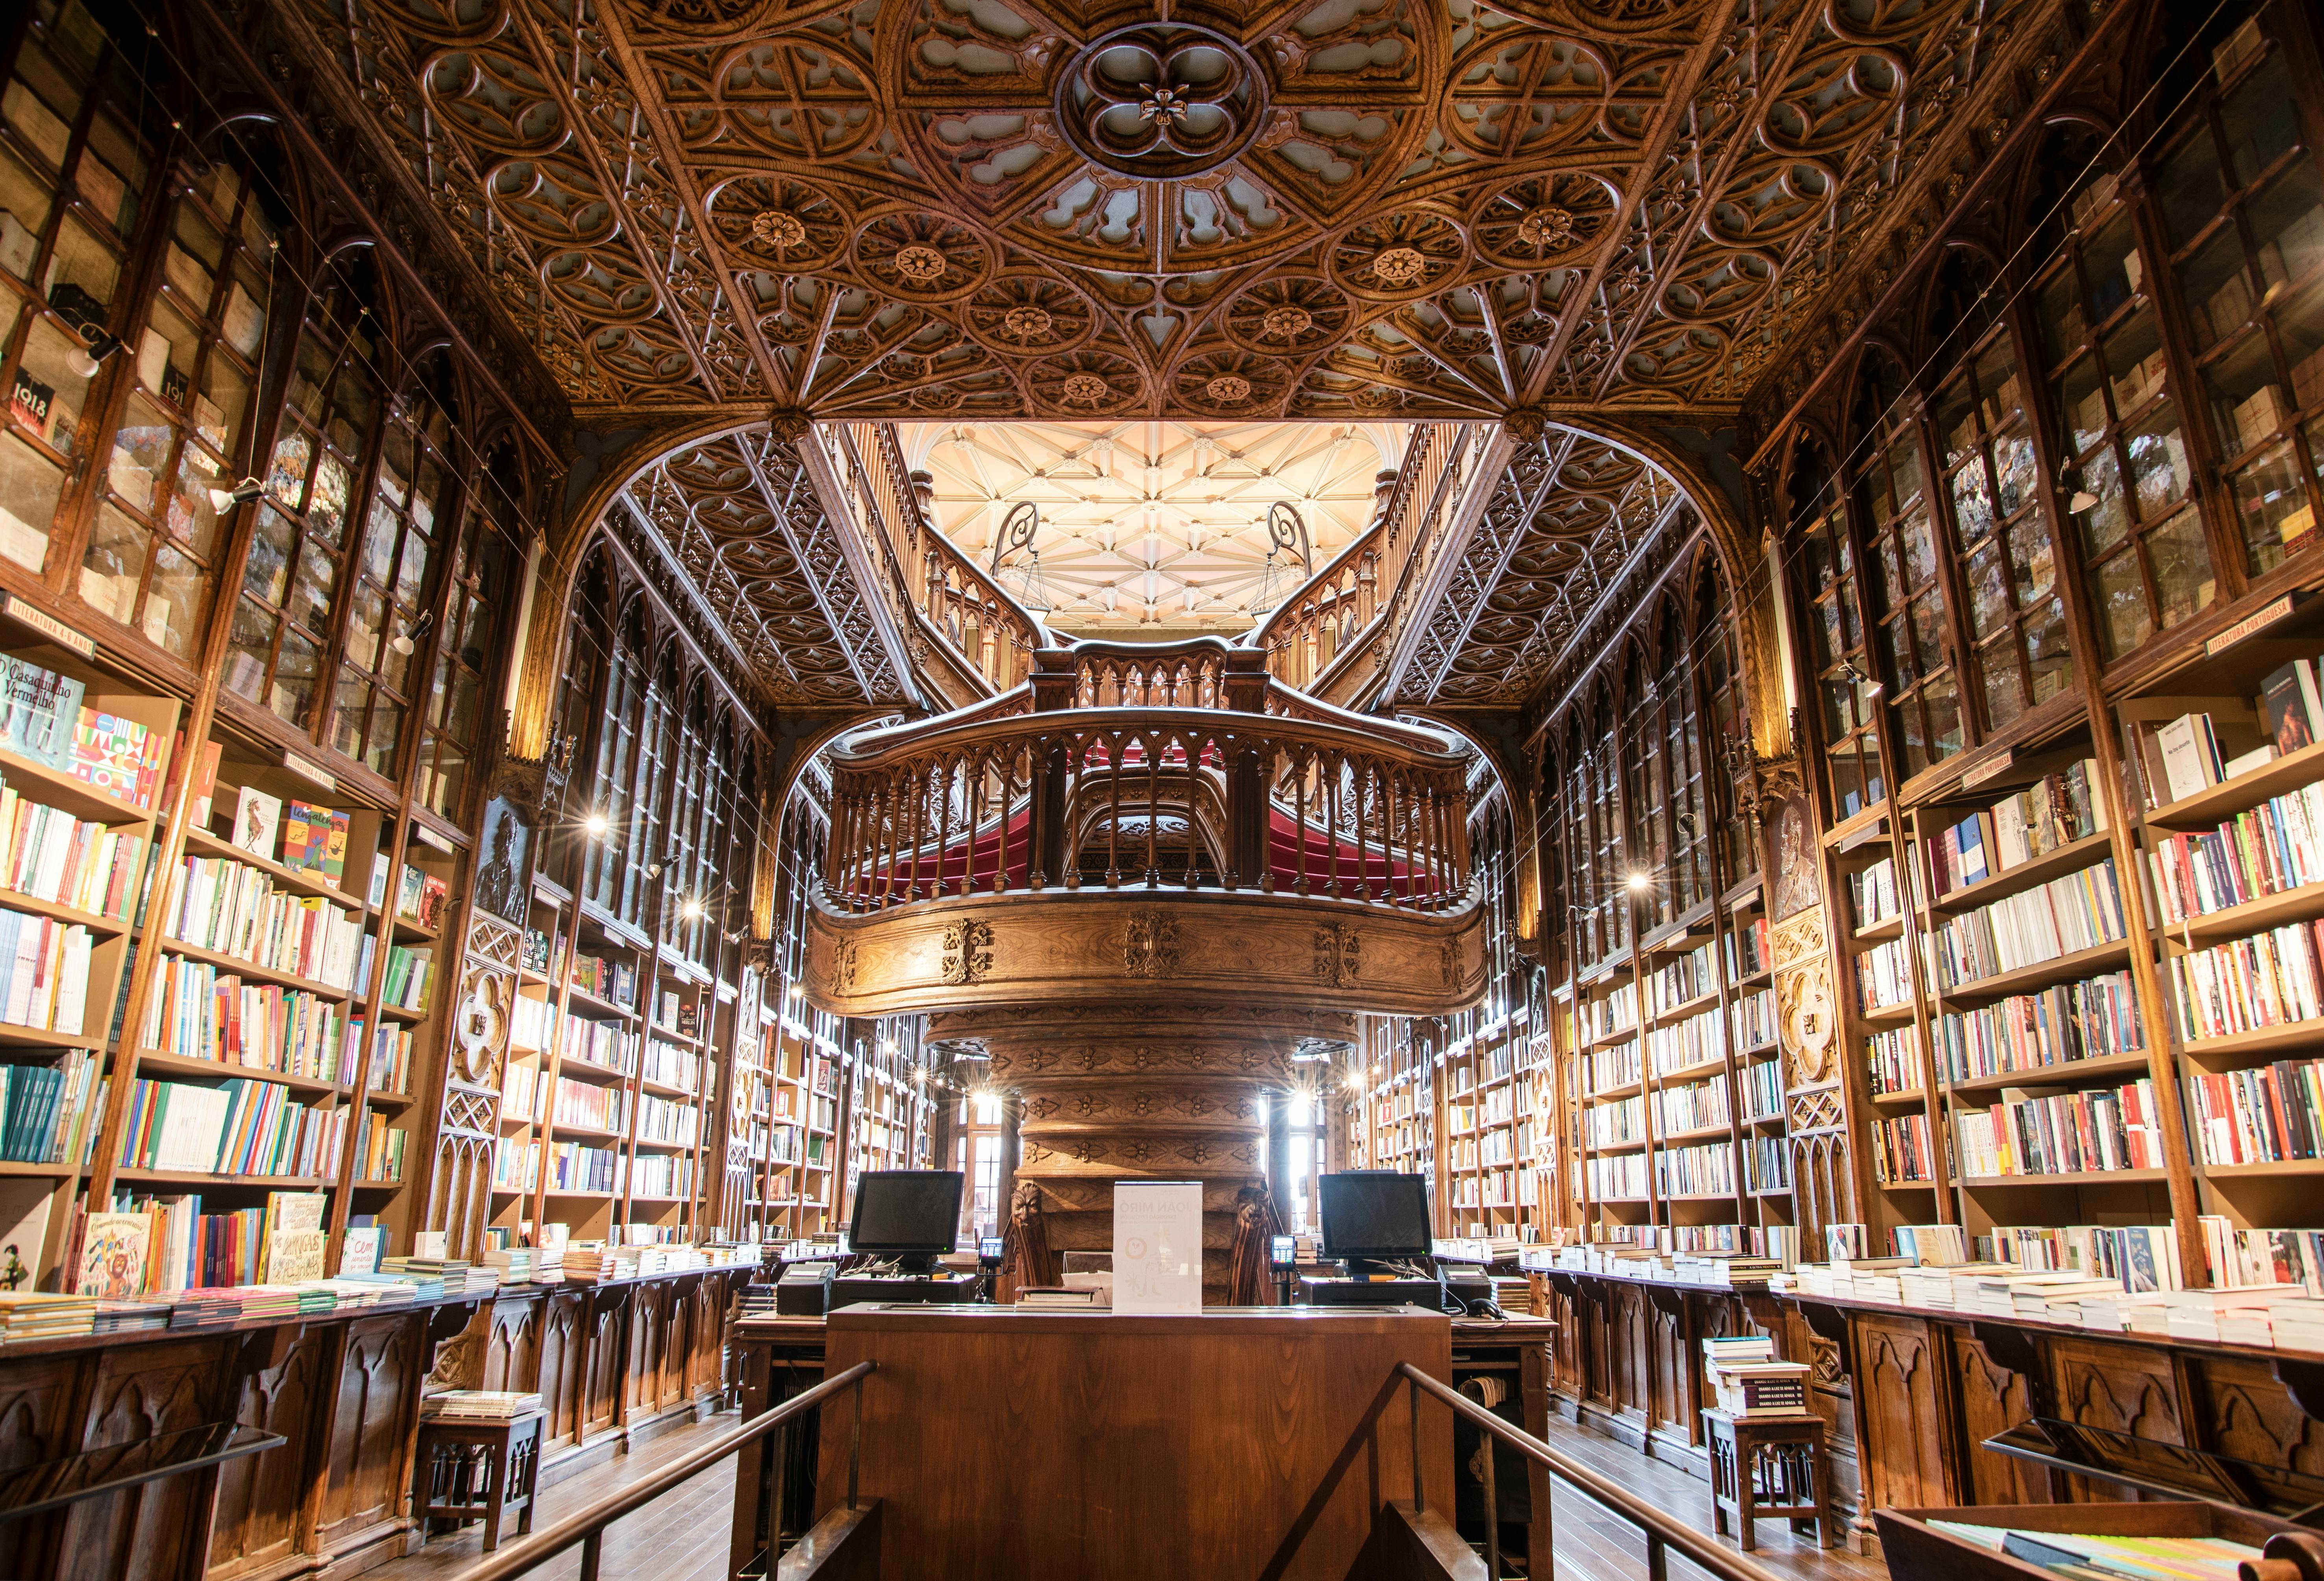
[(1158, 1247)]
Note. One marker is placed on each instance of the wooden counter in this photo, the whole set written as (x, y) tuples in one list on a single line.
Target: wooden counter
[(1008, 1443), (1911, 1394), (617, 1360)]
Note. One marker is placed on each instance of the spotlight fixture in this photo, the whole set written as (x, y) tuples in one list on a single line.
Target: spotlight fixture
[(408, 638), (1850, 673), (84, 360), (799, 990), (595, 825), (1640, 881), (241, 494), (2083, 500), (653, 870), (691, 910)]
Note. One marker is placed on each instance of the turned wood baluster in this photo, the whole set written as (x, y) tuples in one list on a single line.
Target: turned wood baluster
[(1153, 811)]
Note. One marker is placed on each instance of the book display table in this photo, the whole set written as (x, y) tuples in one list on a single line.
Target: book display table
[(468, 1470), (1768, 1468)]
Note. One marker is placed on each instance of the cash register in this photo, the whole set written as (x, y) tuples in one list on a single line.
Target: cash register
[(904, 1220), (1376, 1222)]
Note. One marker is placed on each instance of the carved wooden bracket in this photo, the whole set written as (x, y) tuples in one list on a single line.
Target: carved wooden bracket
[(2304, 1380), (1667, 1300), (1830, 1323), (2019, 1351)]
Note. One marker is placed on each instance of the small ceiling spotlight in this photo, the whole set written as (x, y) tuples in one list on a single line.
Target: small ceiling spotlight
[(1640, 881), (595, 824), (691, 910), (83, 361), (408, 638), (241, 494)]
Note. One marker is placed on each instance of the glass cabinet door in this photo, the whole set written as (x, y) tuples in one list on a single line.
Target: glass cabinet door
[(2008, 571), (1846, 691), (2243, 206), (1907, 603)]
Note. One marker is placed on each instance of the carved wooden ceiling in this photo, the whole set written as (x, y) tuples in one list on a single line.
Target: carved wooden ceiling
[(1043, 209), (1154, 525), (1569, 516), (746, 544)]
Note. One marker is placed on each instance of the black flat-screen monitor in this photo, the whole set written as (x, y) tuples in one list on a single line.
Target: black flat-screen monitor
[(913, 1215), (1370, 1213)]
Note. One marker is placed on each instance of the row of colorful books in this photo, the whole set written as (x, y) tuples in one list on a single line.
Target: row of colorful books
[(1901, 1152), (410, 972), (2088, 1020), (665, 1120), (2269, 979), (51, 855), (589, 1105), (205, 1011), (2033, 1132), (234, 909), (663, 1175), (1894, 1059), (39, 1104), (1695, 1172), (2275, 847), (2265, 1115), (2078, 912), (2059, 810), (45, 963), (239, 1127)]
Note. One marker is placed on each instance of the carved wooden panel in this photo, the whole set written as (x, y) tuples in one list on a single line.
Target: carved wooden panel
[(603, 1358), (1669, 1399), (262, 1498), (706, 1372), (1898, 1372), (1989, 1399), (378, 1396), (649, 1350), (1565, 1350), (2244, 1412), (677, 1351), (561, 1354), (36, 1398), (2119, 1388), (1630, 1351), (513, 1344), (139, 1392)]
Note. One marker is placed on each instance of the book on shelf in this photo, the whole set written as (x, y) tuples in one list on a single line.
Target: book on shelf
[(39, 710), (2271, 848), (361, 1249), (2291, 711), (294, 1237), (41, 1103), (116, 756), (2272, 1113), (114, 1247), (315, 840), (2051, 1131), (257, 819)]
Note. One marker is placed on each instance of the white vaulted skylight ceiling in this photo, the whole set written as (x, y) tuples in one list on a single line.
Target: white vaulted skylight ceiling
[(1152, 529)]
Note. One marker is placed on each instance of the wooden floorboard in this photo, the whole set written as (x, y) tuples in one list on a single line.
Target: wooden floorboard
[(683, 1535)]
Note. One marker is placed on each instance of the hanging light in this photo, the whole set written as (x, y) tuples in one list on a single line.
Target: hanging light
[(691, 910), (1640, 881), (408, 638), (84, 360), (595, 825), (224, 499)]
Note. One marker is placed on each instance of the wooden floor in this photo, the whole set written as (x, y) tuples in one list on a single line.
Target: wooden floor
[(680, 1537), (1594, 1545), (683, 1536)]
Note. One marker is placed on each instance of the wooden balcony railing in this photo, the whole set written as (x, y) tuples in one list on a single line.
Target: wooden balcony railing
[(1201, 773), (1349, 603), (987, 634)]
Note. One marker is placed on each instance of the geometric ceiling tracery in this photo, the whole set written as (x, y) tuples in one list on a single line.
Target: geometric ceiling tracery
[(1333, 209), (742, 524), (1565, 519)]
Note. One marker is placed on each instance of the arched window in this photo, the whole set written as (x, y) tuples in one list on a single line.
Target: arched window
[(606, 864)]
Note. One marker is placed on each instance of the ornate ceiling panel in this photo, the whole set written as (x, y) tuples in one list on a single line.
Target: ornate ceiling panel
[(1152, 524), (1568, 516), (1043, 208), (742, 524)]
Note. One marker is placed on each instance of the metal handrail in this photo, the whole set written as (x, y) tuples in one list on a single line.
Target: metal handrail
[(587, 1527), (1661, 1531)]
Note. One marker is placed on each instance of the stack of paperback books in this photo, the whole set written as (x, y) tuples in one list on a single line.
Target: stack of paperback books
[(480, 1404)]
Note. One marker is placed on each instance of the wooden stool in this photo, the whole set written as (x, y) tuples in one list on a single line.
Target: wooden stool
[(464, 1469), (1765, 1466)]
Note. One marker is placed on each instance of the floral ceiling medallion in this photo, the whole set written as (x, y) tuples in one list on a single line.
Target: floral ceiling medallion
[(1162, 100), (920, 264)]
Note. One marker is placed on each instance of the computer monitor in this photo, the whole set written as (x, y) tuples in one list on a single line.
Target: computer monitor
[(1369, 1214), (910, 1215)]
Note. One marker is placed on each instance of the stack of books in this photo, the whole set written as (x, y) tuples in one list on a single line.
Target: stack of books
[(495, 1405), (512, 1264), (1747, 1380), (2299, 1323), (373, 1289), (2228, 1317), (2146, 1312), (207, 1306), (36, 1314), (131, 1316)]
